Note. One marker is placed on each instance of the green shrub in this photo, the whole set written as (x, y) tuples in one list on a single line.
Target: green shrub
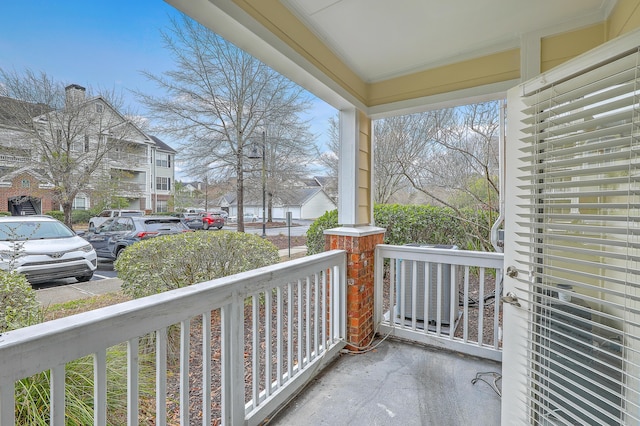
[(81, 216), (406, 224), (5, 213), (56, 214), (19, 306), (173, 261), (315, 233)]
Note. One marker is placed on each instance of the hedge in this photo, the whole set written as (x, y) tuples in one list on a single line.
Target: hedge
[(406, 224), (173, 261)]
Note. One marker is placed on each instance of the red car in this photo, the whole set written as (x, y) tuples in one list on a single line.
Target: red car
[(212, 220)]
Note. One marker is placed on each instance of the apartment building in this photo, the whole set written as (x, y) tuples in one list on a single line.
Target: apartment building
[(112, 158)]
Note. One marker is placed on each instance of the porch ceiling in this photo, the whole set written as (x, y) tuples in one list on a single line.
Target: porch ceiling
[(375, 53), (380, 39)]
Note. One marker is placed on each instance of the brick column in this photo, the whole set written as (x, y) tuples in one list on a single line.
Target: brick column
[(360, 243)]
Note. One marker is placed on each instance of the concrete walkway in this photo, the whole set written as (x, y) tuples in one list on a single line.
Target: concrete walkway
[(64, 293)]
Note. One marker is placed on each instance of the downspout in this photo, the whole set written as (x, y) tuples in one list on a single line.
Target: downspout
[(496, 241)]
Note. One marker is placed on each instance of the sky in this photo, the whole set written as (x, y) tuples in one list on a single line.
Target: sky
[(100, 44)]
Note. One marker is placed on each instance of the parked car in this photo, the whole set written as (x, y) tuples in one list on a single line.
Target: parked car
[(248, 217), (44, 249), (117, 233), (222, 213), (212, 220), (96, 221), (194, 210), (192, 220)]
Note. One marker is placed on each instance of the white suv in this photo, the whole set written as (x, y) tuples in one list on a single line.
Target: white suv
[(96, 221), (44, 249)]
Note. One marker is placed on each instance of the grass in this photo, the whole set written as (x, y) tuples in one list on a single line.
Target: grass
[(77, 306)]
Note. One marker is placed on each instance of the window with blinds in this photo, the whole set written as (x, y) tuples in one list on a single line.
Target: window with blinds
[(582, 245)]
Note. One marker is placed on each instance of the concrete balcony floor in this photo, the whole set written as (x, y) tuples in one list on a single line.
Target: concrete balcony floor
[(398, 383)]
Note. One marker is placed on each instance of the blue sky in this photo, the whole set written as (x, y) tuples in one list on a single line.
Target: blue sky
[(98, 44)]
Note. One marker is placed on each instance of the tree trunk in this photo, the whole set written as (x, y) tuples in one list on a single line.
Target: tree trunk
[(240, 187), (66, 208)]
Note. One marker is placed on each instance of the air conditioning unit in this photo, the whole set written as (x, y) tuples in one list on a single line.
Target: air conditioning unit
[(426, 279)]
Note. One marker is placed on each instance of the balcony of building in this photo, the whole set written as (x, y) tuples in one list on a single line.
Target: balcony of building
[(281, 343), (129, 156)]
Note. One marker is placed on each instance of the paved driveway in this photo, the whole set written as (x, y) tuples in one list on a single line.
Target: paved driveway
[(74, 291)]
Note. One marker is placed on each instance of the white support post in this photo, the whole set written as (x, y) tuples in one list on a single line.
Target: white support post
[(348, 168)]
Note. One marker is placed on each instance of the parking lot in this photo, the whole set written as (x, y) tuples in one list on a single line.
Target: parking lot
[(105, 279)]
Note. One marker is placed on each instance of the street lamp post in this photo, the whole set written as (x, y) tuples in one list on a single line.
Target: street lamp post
[(254, 154), (264, 185)]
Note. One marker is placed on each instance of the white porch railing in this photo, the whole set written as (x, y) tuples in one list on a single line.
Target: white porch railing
[(443, 297), (261, 334)]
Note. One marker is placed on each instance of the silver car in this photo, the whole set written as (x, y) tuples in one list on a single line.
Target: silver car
[(44, 249)]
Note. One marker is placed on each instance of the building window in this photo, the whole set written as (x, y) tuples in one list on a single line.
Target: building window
[(79, 203), (163, 160), (163, 184), (86, 143), (99, 108), (162, 206), (77, 147), (26, 183)]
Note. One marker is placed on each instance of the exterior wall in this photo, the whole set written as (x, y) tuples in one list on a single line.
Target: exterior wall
[(560, 48), (499, 67), (34, 190), (160, 197), (316, 206), (11, 137), (161, 172), (136, 187), (365, 171), (281, 212)]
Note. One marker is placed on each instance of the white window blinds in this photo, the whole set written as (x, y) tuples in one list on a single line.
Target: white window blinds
[(582, 245)]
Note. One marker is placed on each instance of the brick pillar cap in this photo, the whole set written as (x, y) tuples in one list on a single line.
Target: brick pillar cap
[(356, 231)]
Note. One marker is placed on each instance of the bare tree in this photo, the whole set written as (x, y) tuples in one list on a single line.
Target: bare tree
[(67, 135), (400, 141), (329, 159), (218, 100), (462, 170), (449, 155), (465, 151), (288, 150)]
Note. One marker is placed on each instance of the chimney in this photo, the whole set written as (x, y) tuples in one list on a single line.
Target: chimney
[(74, 94)]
